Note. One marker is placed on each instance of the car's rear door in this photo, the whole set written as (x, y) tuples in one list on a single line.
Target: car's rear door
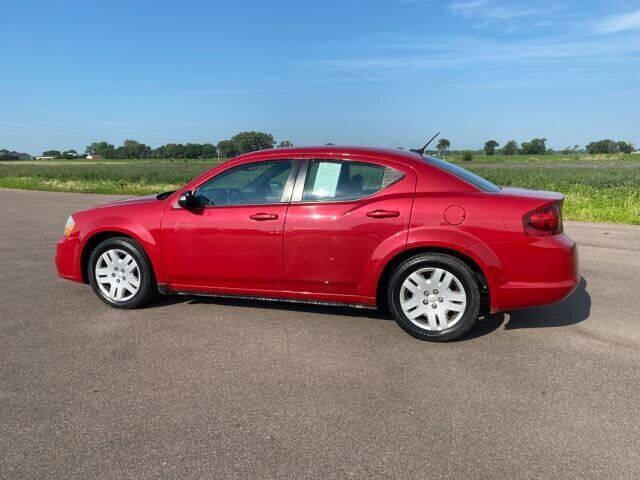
[(345, 215), (231, 243)]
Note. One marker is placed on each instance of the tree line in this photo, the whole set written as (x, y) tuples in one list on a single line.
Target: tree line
[(12, 155), (245, 142), (538, 146)]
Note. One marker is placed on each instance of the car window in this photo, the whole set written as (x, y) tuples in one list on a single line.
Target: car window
[(472, 178), (331, 180), (249, 184)]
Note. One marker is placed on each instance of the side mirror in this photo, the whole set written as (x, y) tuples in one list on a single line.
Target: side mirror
[(187, 200)]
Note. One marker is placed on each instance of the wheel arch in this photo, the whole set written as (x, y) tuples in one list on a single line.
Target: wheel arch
[(94, 239), (392, 264)]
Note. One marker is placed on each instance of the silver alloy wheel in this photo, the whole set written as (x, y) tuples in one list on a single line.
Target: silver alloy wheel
[(433, 299), (117, 275)]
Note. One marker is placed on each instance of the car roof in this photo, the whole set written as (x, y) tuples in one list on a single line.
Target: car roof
[(333, 150)]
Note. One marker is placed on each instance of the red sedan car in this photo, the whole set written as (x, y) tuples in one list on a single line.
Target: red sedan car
[(436, 244)]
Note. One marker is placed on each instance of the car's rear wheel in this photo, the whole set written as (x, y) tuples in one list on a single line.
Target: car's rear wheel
[(120, 273), (434, 297)]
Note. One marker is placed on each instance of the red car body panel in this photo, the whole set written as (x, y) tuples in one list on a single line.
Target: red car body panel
[(337, 251), (345, 239), (222, 248)]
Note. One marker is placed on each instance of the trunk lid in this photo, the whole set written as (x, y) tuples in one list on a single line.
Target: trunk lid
[(540, 195)]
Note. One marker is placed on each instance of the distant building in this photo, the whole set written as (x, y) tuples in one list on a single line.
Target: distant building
[(44, 158), (94, 156), (23, 156)]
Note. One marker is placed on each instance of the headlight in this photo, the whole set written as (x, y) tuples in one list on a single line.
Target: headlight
[(68, 227)]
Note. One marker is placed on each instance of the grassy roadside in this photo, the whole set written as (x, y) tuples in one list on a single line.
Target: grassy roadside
[(593, 194), (574, 159), (600, 188)]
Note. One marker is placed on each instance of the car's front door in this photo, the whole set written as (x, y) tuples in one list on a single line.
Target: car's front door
[(344, 216), (231, 242)]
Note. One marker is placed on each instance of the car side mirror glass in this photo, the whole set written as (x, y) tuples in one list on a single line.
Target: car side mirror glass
[(187, 200)]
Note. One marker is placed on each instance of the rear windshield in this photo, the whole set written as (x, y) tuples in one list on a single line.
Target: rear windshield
[(465, 175)]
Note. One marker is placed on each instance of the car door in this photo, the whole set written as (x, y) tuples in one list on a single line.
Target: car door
[(345, 214), (231, 242)]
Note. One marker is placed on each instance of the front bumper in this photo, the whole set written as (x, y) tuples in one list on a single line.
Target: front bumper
[(68, 252)]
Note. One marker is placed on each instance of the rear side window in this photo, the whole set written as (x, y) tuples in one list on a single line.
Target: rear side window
[(466, 175), (331, 180)]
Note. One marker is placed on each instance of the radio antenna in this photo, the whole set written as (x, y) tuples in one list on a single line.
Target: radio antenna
[(420, 151)]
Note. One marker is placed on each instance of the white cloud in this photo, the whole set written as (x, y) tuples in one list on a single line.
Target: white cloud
[(619, 23), (425, 54), (491, 11), (468, 8)]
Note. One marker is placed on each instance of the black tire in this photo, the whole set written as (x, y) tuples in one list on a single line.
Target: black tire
[(452, 265), (148, 288)]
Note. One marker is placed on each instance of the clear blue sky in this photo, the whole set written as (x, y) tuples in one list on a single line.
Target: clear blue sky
[(377, 72)]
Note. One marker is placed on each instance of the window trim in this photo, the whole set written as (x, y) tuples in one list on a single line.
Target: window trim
[(287, 190), (298, 189)]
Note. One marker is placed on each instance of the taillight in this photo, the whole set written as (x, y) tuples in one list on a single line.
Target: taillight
[(544, 222)]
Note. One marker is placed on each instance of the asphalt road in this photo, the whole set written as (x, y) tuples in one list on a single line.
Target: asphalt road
[(192, 388)]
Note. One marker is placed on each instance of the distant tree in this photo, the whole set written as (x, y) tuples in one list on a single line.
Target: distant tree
[(69, 154), (510, 148), (571, 150), (104, 149), (490, 147), (120, 152), (52, 153), (135, 149), (228, 149), (329, 144), (173, 150), (443, 145), (625, 147), (251, 141), (400, 148), (209, 151), (8, 155), (537, 146), (158, 152), (467, 155), (192, 150), (602, 146), (285, 144)]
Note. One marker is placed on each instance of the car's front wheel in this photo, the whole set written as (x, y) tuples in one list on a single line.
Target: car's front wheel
[(434, 297), (120, 273)]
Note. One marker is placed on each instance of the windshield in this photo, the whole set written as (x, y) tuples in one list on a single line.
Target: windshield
[(465, 175)]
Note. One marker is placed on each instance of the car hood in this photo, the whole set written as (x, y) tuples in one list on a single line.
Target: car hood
[(131, 201)]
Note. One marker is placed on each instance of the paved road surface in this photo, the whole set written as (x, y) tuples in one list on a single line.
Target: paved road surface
[(192, 388)]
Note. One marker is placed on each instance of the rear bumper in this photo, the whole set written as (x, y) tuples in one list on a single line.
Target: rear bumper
[(68, 258), (542, 272)]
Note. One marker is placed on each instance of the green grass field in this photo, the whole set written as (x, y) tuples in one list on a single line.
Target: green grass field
[(599, 188)]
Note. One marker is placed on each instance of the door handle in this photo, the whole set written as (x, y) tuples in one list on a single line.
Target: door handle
[(261, 217), (383, 214)]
